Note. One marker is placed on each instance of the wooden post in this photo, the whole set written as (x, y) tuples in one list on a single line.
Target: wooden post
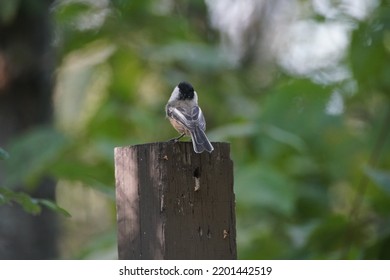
[(173, 203)]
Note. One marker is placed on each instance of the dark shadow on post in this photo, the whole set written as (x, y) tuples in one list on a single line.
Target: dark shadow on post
[(173, 203)]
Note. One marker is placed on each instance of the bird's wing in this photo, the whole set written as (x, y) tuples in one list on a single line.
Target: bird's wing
[(198, 117), (189, 119)]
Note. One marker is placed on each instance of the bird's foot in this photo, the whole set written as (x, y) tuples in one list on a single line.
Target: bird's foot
[(176, 139)]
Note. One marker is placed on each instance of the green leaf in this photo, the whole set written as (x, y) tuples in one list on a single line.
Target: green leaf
[(53, 206), (29, 204)]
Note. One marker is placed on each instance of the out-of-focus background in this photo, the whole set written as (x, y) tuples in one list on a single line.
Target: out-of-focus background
[(300, 88)]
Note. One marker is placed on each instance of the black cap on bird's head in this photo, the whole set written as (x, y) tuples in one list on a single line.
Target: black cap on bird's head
[(186, 91)]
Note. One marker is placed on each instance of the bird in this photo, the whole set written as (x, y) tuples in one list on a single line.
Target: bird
[(187, 118)]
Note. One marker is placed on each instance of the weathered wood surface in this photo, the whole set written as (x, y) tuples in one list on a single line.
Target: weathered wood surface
[(173, 203)]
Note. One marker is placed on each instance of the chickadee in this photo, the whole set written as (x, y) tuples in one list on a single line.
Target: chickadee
[(187, 118)]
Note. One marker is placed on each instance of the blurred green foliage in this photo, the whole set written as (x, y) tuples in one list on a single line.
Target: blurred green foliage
[(309, 184), (29, 204)]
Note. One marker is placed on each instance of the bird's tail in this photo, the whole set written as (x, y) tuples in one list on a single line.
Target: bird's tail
[(200, 141)]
